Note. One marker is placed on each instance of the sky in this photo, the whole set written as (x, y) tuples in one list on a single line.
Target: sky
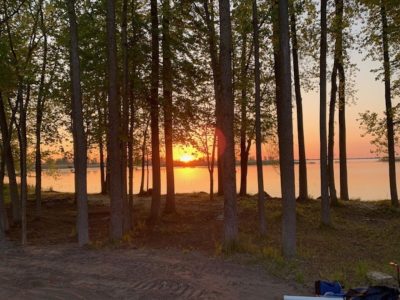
[(369, 96)]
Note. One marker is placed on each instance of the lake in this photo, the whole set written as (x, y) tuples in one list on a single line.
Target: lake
[(368, 179)]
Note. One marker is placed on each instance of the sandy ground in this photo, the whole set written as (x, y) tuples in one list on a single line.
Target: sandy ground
[(67, 272)]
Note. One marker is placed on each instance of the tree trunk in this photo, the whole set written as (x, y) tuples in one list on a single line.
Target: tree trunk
[(39, 119), (4, 226), (257, 81), (130, 149), (23, 148), (344, 190), (9, 159), (102, 168), (78, 132), (167, 95), (141, 191), (325, 210), (114, 125), (331, 137), (154, 113), (211, 166), (127, 214), (244, 157), (227, 119), (389, 110), (285, 132), (212, 45), (303, 189)]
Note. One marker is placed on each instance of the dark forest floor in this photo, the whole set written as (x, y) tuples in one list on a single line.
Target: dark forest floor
[(364, 236)]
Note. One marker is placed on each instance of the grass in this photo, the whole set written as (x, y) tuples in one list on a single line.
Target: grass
[(363, 236)]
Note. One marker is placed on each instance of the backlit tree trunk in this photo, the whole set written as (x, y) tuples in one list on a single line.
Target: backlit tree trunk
[(227, 119), (331, 137), (154, 115), (167, 95), (285, 132), (257, 81), (388, 102), (78, 132), (114, 126), (325, 210), (303, 189)]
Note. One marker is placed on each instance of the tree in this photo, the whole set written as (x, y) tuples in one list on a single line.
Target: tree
[(303, 188), (168, 106), (325, 211), (285, 130), (154, 115), (80, 154), (227, 118), (388, 104), (114, 125), (260, 180)]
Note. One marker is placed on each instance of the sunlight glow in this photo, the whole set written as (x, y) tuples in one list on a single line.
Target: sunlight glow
[(186, 157)]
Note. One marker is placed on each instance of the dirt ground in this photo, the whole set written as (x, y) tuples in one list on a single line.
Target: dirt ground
[(176, 259), (66, 272)]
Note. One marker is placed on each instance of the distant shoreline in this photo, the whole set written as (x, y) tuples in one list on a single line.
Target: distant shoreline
[(204, 164)]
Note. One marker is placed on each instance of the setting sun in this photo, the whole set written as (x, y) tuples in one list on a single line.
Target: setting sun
[(186, 157)]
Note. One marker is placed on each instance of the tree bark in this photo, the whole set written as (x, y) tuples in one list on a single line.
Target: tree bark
[(331, 137), (114, 125), (39, 119), (168, 107), (244, 156), (78, 131), (215, 67), (389, 109), (257, 81), (227, 119), (344, 189), (23, 145), (303, 188), (9, 160), (127, 214), (325, 211), (4, 226), (285, 132), (154, 115), (141, 190), (102, 168)]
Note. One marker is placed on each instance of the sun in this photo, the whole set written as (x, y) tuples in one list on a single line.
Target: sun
[(186, 157)]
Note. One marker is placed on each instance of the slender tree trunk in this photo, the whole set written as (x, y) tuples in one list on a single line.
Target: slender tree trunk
[(211, 166), (303, 189), (78, 131), (167, 95), (325, 211), (285, 132), (344, 189), (389, 110), (127, 214), (39, 118), (9, 159), (227, 119), (114, 125), (331, 137), (147, 171), (102, 168), (4, 226), (257, 81), (154, 113), (212, 45), (23, 144), (141, 191), (130, 149), (244, 157)]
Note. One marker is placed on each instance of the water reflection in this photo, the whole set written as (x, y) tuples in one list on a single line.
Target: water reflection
[(368, 179)]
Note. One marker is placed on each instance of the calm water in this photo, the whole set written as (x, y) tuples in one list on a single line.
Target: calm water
[(368, 179)]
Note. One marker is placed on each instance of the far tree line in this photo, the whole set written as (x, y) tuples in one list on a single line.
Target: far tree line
[(128, 79)]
